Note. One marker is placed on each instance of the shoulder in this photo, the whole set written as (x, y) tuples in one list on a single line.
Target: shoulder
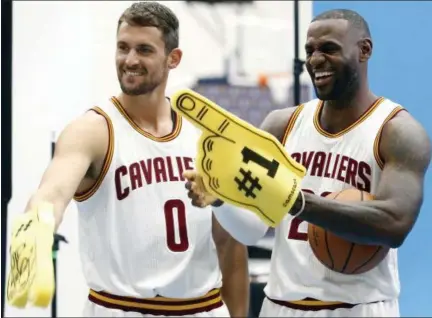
[(405, 142), (89, 132), (94, 122), (276, 121)]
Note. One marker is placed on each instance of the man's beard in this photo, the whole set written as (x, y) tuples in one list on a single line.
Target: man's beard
[(144, 87), (344, 87), (141, 89)]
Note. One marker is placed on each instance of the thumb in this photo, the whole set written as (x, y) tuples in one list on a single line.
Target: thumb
[(200, 182), (190, 175)]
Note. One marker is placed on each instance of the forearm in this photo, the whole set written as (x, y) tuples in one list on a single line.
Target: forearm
[(367, 222), (235, 289), (245, 226)]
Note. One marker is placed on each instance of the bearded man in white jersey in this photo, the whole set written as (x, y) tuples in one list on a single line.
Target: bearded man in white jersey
[(346, 138), (145, 249)]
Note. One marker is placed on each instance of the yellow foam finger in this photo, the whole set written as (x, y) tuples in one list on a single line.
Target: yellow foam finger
[(232, 175), (240, 163), (214, 120), (207, 115), (31, 277)]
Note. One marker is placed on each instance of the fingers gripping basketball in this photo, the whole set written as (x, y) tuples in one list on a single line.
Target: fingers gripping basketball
[(239, 163), (339, 254)]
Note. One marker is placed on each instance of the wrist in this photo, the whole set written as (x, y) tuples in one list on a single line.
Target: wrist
[(217, 203), (298, 206), (45, 213)]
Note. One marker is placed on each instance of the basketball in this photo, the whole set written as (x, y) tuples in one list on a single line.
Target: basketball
[(339, 254)]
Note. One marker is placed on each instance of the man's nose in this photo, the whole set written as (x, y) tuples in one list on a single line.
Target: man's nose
[(316, 59), (132, 59)]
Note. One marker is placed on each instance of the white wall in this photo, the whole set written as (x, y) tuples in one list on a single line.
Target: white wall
[(63, 62)]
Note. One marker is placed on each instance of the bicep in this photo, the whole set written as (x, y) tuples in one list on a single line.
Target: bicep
[(406, 149), (401, 189), (65, 172), (73, 155)]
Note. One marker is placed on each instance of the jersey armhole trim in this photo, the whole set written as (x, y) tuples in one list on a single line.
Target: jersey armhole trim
[(377, 142), (82, 196), (291, 122)]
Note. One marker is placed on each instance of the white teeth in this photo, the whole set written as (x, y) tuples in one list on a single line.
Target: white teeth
[(133, 73), (322, 74)]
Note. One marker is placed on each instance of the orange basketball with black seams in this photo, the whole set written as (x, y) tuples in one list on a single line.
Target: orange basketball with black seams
[(339, 254)]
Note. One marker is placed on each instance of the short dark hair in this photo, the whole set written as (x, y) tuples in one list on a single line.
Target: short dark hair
[(154, 14), (355, 19)]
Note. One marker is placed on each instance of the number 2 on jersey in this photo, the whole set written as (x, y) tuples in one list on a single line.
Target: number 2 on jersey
[(294, 233), (171, 207)]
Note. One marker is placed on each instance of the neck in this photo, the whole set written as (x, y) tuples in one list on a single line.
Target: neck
[(363, 97), (150, 108), (339, 114)]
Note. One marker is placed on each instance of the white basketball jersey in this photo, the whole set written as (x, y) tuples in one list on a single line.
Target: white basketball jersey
[(349, 159), (139, 234)]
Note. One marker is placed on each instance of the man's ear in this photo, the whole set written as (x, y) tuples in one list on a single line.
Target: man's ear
[(174, 58), (365, 49)]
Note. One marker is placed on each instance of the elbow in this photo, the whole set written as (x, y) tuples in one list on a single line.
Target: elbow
[(397, 235), (398, 224), (401, 216), (396, 241)]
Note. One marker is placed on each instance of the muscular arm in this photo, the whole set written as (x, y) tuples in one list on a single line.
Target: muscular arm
[(233, 260), (387, 220), (75, 152)]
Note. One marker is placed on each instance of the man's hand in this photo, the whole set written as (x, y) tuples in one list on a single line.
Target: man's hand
[(197, 192), (239, 163), (31, 276)]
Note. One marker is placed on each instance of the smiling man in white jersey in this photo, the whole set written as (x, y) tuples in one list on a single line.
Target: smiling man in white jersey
[(346, 138), (145, 249)]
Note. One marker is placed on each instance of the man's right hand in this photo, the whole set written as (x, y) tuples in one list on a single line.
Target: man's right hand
[(197, 192), (31, 276)]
